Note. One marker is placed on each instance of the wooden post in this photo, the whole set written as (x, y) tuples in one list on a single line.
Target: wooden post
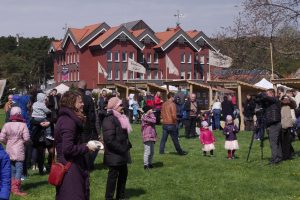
[(127, 91), (210, 97), (191, 88), (240, 107)]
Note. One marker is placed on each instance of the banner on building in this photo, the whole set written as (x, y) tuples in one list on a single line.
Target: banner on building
[(170, 65), (101, 70), (65, 74), (219, 60), (136, 67)]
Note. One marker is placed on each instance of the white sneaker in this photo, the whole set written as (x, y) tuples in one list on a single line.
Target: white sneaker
[(49, 137)]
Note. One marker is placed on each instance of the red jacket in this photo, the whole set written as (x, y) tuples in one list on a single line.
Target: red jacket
[(206, 136), (157, 102)]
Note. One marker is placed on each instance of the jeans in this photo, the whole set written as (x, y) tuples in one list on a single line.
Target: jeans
[(217, 118), (116, 175), (157, 115), (148, 152), (173, 131), (16, 169)]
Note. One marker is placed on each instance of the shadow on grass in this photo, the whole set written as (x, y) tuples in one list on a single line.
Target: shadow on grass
[(135, 192), (99, 166), (158, 164), (28, 186)]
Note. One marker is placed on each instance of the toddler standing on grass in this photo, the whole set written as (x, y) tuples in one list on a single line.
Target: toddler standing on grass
[(14, 134), (207, 139), (231, 144), (149, 136)]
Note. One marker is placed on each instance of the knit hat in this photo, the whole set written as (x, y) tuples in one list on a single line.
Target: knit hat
[(204, 124), (228, 118), (147, 108), (114, 103), (15, 111)]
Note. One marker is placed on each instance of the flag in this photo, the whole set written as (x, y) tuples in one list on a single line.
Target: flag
[(170, 65), (65, 74), (101, 70), (136, 67)]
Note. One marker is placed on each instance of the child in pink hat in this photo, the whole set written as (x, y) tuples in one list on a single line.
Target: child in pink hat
[(207, 139)]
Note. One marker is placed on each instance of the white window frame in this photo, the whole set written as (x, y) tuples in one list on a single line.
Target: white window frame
[(149, 75), (125, 56), (189, 58), (202, 59), (182, 60), (109, 74), (156, 75), (117, 73), (131, 73), (118, 53), (78, 75), (109, 52), (68, 56), (155, 60), (149, 58), (125, 74), (74, 61), (77, 57), (189, 74), (182, 74)]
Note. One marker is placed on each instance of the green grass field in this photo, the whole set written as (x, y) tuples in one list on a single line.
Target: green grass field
[(193, 176)]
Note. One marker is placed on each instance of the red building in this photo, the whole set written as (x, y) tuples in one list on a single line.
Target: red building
[(99, 53)]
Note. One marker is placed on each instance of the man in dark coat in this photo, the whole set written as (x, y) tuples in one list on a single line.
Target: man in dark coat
[(192, 107), (102, 107), (53, 104), (272, 108), (227, 108), (249, 110), (89, 131)]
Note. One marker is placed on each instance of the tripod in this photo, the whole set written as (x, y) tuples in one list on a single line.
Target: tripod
[(261, 143)]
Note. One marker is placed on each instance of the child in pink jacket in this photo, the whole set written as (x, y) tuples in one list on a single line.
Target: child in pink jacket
[(149, 136), (207, 139), (14, 134)]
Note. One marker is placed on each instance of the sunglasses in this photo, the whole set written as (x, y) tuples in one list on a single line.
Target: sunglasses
[(121, 105)]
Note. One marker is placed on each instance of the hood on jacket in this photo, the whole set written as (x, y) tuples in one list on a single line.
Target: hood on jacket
[(131, 96), (40, 97)]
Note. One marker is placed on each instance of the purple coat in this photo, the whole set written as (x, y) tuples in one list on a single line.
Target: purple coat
[(75, 185), (230, 131), (148, 128)]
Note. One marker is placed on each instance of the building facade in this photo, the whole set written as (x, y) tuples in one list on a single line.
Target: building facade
[(99, 54)]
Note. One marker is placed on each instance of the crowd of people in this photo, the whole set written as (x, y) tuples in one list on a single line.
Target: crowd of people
[(75, 128)]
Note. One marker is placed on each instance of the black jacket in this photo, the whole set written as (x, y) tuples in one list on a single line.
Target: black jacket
[(116, 142), (249, 107), (89, 130), (227, 109), (272, 109)]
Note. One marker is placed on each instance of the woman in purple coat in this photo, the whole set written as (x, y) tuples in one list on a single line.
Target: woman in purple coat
[(75, 185)]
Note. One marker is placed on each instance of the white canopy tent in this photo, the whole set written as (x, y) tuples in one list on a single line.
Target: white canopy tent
[(61, 88), (264, 83), (171, 88)]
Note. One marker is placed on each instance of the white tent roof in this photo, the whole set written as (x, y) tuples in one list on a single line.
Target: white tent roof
[(264, 83), (171, 88), (62, 88)]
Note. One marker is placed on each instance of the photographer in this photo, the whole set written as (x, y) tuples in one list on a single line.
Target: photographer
[(272, 108)]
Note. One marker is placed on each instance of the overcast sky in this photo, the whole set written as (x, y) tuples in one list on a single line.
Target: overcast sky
[(34, 18)]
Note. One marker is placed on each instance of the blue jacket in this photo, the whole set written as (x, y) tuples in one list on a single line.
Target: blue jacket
[(5, 174)]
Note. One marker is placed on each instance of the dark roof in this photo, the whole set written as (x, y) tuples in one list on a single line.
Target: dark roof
[(137, 25)]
